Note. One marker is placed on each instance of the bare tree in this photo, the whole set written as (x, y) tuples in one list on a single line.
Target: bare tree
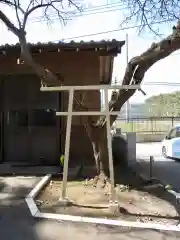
[(22, 14), (145, 11)]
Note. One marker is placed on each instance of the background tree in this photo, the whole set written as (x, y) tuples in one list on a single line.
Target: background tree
[(147, 12), (164, 104)]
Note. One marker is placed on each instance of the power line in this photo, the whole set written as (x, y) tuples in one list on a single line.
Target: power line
[(104, 32), (80, 15), (162, 83), (102, 6), (119, 29), (87, 12), (115, 30)]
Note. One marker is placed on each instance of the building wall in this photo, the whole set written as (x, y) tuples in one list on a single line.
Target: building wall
[(77, 68), (30, 131)]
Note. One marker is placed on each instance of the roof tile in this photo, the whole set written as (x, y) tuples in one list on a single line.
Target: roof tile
[(113, 44)]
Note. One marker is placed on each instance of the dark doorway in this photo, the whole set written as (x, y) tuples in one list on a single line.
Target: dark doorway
[(44, 145), (30, 122), (1, 123)]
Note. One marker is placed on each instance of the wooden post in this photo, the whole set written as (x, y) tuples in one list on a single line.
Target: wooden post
[(109, 145), (151, 162), (67, 143)]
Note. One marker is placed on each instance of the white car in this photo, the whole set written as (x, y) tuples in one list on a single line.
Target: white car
[(171, 143)]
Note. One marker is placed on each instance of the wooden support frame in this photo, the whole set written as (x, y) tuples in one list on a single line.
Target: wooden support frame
[(71, 113)]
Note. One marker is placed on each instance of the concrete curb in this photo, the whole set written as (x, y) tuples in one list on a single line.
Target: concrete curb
[(39, 186), (31, 196), (61, 217), (171, 191)]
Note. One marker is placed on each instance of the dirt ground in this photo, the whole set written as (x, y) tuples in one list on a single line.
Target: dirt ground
[(153, 205)]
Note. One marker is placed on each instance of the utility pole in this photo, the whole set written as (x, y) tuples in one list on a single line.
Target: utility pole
[(115, 81), (127, 60)]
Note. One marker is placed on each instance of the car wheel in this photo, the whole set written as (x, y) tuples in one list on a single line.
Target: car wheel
[(164, 152)]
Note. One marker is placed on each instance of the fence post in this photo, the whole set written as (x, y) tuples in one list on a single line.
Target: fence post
[(152, 130), (132, 123), (151, 162), (172, 121)]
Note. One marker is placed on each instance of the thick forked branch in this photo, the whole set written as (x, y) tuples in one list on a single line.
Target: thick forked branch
[(9, 24), (138, 66), (46, 76), (134, 74)]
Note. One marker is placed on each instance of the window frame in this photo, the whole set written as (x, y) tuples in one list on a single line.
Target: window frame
[(171, 131)]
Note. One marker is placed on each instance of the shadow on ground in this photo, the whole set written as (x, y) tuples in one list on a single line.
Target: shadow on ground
[(134, 181), (15, 219), (166, 172), (11, 170)]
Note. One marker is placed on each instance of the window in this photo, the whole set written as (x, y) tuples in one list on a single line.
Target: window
[(172, 133), (18, 118), (178, 132), (37, 117), (43, 117)]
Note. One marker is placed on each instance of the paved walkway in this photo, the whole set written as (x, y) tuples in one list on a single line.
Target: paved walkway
[(17, 223)]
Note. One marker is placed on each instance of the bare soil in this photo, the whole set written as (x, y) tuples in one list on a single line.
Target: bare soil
[(153, 205)]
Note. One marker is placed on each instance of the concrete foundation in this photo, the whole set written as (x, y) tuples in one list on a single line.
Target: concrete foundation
[(131, 145)]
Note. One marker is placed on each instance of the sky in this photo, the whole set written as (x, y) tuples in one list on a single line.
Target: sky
[(91, 22)]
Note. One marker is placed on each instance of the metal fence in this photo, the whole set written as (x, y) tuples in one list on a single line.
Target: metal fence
[(147, 125)]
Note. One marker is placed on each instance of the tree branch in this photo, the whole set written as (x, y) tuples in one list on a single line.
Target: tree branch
[(45, 75), (6, 2), (9, 24), (17, 15), (30, 2), (147, 12), (32, 10), (138, 66), (41, 5)]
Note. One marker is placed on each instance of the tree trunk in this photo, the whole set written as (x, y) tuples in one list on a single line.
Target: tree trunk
[(134, 74), (100, 150)]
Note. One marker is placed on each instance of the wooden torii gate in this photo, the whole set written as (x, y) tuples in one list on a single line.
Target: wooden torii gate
[(64, 200)]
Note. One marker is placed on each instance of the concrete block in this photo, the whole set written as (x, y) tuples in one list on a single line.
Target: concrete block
[(131, 146)]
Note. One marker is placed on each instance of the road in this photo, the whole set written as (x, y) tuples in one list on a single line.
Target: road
[(146, 149), (167, 170)]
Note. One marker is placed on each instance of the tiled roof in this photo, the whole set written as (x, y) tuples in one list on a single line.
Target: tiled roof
[(82, 45)]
